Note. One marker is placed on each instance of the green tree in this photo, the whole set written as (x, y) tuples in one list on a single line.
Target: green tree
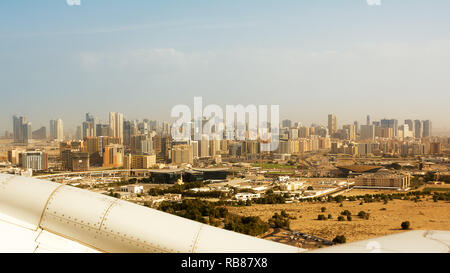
[(406, 225), (251, 225), (340, 239), (429, 176), (346, 212), (280, 221), (364, 215)]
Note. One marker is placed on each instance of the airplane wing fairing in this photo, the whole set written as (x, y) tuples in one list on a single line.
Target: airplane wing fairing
[(38, 212)]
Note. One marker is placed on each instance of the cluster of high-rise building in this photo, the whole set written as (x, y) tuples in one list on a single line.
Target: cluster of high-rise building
[(22, 133), (389, 128), (386, 136), (137, 144), (120, 143), (102, 151)]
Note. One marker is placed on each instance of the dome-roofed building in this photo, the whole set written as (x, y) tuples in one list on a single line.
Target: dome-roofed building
[(358, 169)]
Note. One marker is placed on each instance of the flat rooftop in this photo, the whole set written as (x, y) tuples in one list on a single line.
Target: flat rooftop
[(210, 169)]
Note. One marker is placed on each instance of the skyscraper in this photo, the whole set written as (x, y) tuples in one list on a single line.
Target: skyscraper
[(368, 120), (27, 133), (89, 126), (286, 123), (21, 130), (367, 132), (332, 124), (79, 133), (356, 124), (116, 124), (130, 128), (59, 129), (182, 154), (418, 128), (56, 129), (426, 128), (204, 146), (113, 156), (141, 144), (350, 131), (103, 130), (390, 123), (410, 124), (194, 145), (404, 129), (18, 129), (52, 129), (41, 133)]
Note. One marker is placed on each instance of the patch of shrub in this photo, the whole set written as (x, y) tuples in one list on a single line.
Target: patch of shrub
[(406, 225), (340, 239)]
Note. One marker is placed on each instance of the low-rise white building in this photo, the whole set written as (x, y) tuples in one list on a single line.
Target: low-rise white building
[(132, 189), (260, 188), (284, 178), (172, 197), (291, 186), (220, 188), (22, 172), (244, 196), (309, 193), (202, 189)]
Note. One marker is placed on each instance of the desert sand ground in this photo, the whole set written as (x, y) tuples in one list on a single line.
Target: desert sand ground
[(356, 192), (422, 215)]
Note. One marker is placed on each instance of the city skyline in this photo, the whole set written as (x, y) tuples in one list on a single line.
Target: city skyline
[(105, 118), (92, 127)]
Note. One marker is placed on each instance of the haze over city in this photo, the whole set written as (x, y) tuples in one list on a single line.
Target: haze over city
[(351, 59)]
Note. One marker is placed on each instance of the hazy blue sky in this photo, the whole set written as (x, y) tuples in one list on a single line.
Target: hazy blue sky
[(143, 57)]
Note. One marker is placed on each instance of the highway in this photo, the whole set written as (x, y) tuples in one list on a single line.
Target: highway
[(105, 172)]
